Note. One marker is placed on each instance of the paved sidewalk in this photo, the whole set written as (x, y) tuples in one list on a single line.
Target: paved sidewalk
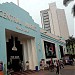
[(41, 73), (67, 70)]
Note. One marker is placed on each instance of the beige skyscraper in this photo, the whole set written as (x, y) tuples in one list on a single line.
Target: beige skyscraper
[(54, 21)]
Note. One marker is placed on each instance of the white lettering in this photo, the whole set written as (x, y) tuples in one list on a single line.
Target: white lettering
[(14, 19), (19, 28)]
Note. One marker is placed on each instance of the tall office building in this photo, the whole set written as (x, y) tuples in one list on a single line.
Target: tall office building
[(54, 21), (45, 20)]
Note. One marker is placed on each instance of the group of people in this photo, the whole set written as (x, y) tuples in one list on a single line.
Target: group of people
[(42, 64), (26, 65), (21, 67), (58, 64), (55, 65)]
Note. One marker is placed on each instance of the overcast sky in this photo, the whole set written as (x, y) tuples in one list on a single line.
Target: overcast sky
[(35, 6)]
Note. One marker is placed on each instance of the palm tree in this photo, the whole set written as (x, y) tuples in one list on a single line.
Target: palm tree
[(66, 2)]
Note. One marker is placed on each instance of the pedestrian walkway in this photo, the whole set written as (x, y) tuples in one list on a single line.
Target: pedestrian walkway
[(69, 67), (31, 73), (67, 70), (40, 73)]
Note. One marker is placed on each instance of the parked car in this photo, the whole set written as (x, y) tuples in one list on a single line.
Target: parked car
[(68, 61)]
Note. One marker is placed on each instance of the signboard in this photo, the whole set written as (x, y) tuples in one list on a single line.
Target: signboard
[(15, 20)]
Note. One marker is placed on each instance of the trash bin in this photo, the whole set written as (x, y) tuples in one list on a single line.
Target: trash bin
[(36, 68)]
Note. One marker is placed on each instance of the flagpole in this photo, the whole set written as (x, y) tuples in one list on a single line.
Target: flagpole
[(18, 2)]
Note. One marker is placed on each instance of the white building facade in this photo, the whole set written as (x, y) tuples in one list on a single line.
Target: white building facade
[(54, 21)]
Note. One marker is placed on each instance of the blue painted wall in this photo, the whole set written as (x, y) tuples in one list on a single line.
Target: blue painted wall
[(2, 45), (24, 16)]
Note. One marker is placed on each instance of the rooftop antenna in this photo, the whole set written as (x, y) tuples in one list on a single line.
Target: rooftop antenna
[(18, 2)]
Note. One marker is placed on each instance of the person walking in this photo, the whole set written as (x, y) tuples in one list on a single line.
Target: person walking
[(43, 63), (57, 67), (61, 64), (40, 65), (22, 65), (27, 65), (51, 65)]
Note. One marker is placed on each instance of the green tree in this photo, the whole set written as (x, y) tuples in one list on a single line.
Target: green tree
[(66, 2), (70, 45)]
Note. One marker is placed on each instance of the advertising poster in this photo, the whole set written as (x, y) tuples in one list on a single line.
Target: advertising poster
[(49, 49)]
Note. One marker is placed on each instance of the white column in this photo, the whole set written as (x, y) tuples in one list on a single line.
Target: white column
[(30, 54), (57, 51), (34, 56), (43, 49), (25, 53)]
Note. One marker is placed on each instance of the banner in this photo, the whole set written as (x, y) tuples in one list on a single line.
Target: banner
[(49, 49)]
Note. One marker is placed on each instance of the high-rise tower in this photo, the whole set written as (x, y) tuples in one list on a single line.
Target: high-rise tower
[(54, 21)]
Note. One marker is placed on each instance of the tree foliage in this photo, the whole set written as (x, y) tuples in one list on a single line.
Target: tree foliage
[(66, 2), (70, 41), (70, 44)]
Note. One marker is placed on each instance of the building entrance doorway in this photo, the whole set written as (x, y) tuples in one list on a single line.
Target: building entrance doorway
[(14, 54), (15, 65), (20, 48)]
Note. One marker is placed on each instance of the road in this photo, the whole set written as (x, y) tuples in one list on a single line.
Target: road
[(68, 70)]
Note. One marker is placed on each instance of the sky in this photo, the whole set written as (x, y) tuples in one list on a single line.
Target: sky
[(33, 7)]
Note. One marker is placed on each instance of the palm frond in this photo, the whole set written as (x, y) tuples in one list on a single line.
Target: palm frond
[(73, 10), (66, 2)]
